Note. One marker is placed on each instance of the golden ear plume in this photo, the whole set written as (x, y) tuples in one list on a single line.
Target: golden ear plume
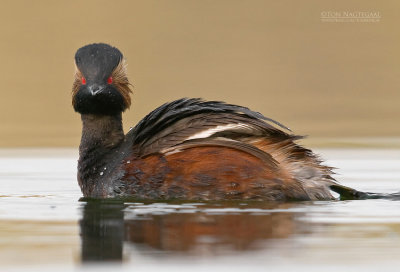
[(120, 80)]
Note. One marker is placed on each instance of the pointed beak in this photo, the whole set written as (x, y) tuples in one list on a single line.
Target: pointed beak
[(95, 89)]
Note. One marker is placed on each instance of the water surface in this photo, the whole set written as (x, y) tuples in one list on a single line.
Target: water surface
[(44, 225)]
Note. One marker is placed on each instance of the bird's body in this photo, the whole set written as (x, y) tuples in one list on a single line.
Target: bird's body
[(188, 149)]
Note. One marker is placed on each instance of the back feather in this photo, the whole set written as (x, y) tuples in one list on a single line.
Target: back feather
[(175, 122), (188, 123)]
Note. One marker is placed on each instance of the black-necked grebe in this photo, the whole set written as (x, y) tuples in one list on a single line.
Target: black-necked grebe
[(188, 149)]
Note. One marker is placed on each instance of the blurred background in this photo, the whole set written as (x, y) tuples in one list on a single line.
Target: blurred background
[(329, 80)]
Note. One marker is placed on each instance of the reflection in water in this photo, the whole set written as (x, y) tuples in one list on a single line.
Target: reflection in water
[(191, 228), (184, 232), (102, 231)]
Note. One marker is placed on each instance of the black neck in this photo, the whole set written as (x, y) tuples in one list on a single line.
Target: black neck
[(101, 131), (100, 135)]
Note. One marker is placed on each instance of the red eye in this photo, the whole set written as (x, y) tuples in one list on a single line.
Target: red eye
[(83, 81), (109, 80)]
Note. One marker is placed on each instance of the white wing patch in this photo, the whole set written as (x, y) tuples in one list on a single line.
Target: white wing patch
[(205, 134), (211, 131)]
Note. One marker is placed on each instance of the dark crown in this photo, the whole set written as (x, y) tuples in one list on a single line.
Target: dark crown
[(101, 85), (97, 61)]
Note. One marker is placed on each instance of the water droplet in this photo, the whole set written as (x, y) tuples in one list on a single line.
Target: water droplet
[(128, 162), (105, 168), (101, 173)]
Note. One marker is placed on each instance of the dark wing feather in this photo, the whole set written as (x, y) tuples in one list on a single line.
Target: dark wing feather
[(173, 123), (188, 123)]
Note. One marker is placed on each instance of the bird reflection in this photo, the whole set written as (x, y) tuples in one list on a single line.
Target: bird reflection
[(102, 231), (107, 225)]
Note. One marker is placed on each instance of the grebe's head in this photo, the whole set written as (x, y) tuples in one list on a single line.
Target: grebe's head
[(101, 85)]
